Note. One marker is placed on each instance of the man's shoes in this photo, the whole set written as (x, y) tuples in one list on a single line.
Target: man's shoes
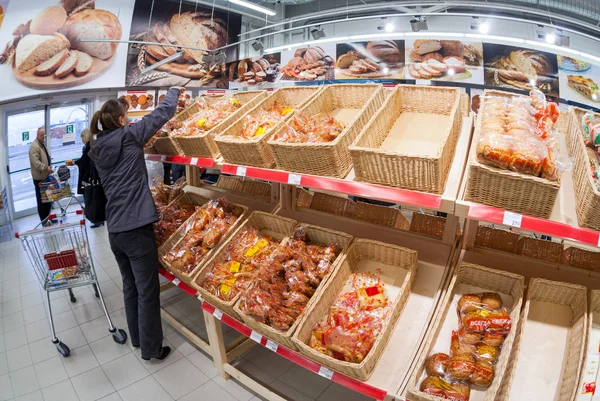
[(96, 225), (163, 354)]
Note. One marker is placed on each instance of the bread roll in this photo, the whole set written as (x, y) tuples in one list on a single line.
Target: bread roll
[(48, 21), (94, 24), (73, 6), (424, 46)]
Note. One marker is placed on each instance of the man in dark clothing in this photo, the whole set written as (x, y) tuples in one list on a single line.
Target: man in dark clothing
[(39, 161), (119, 157)]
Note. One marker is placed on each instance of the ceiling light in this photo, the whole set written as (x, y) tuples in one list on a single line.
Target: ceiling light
[(258, 46), (317, 33), (326, 40), (484, 28), (253, 6), (550, 38), (418, 24), (389, 27)]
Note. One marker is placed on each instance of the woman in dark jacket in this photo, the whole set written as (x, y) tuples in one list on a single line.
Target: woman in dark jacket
[(118, 153), (89, 185)]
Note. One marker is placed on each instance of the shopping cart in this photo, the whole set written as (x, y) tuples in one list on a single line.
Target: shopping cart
[(62, 260), (55, 188)]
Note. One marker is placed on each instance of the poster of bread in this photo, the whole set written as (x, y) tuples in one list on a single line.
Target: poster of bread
[(381, 59), (176, 24), (579, 80), (518, 68), (42, 48), (3, 7), (311, 63), (253, 72), (444, 60), (139, 100)]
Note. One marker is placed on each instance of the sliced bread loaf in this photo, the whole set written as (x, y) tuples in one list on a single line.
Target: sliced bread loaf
[(48, 67), (84, 64), (33, 50), (68, 66)]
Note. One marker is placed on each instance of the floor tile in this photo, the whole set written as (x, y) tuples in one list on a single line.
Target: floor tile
[(34, 299), (124, 371), (3, 364), (106, 349), (92, 385), (95, 329), (6, 392), (81, 360), (146, 389), (114, 302), (255, 372), (64, 321), (87, 312), (10, 307), (180, 378), (304, 381), (18, 358), (290, 393), (62, 391), (111, 397), (23, 381), (2, 348), (335, 392), (38, 330), (268, 361), (13, 321), (154, 365), (73, 337), (34, 314), (42, 349), (180, 344), (50, 372), (234, 388), (34, 396), (109, 288), (204, 363), (60, 305), (209, 391), (15, 338)]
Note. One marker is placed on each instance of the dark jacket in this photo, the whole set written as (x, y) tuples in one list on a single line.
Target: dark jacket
[(85, 166), (119, 158)]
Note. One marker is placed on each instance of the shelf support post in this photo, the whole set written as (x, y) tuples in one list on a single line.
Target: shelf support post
[(217, 343)]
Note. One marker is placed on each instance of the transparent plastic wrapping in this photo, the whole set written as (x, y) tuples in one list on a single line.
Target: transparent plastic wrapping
[(164, 194), (237, 266), (170, 219), (301, 128), (518, 134), (285, 283), (354, 321), (475, 347), (591, 137), (259, 122), (203, 232), (208, 117)]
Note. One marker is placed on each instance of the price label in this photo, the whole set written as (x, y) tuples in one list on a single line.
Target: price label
[(255, 336), (241, 171), (194, 161), (512, 219), (599, 241), (326, 373), (176, 281), (163, 158), (218, 314), (272, 345), (423, 82), (294, 179)]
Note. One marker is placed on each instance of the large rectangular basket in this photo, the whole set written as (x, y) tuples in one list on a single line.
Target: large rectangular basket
[(255, 152), (185, 198), (352, 104), (268, 224), (587, 196), (204, 145), (588, 379), (506, 189), (546, 294), (469, 278), (397, 268), (410, 170), (166, 146), (238, 210), (318, 235)]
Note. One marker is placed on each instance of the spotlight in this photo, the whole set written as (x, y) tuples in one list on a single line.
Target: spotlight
[(484, 27), (389, 27), (317, 33), (418, 24), (550, 38), (258, 46)]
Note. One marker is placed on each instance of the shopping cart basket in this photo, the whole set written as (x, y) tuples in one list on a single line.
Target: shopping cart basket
[(55, 188), (61, 258)]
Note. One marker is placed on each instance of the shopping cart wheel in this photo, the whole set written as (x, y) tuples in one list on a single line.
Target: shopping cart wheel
[(120, 336), (63, 349), (96, 291), (72, 296)]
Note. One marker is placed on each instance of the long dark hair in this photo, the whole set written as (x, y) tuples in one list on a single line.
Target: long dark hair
[(108, 116)]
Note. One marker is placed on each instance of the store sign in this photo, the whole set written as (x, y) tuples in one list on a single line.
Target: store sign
[(69, 135), (25, 136)]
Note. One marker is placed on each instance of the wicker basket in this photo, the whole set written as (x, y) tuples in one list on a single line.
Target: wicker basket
[(587, 197), (166, 146), (582, 259), (317, 235), (427, 224), (465, 105), (591, 350), (540, 249), (249, 187), (177, 237), (276, 226), (255, 152), (381, 215), (185, 198), (553, 292), (399, 272), (356, 104), (204, 145), (415, 171), (494, 238), (490, 280), (506, 189)]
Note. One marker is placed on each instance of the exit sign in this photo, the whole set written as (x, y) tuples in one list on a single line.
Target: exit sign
[(25, 136), (70, 129)]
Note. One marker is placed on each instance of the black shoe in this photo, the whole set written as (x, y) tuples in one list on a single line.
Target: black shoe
[(96, 225), (135, 345), (163, 354)]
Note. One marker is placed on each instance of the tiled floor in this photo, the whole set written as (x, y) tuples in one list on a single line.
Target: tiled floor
[(100, 369)]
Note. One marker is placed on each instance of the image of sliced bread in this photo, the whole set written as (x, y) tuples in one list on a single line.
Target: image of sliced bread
[(84, 64), (33, 50), (68, 66), (521, 60), (48, 67)]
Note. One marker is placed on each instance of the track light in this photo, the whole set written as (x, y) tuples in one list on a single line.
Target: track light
[(317, 33), (252, 6), (258, 46), (389, 27), (418, 24), (482, 27), (550, 38)]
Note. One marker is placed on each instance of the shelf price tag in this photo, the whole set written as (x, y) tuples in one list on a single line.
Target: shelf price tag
[(176, 281), (272, 345), (255, 336), (598, 241), (241, 171), (194, 161), (294, 179), (218, 314), (163, 158), (325, 372), (512, 219)]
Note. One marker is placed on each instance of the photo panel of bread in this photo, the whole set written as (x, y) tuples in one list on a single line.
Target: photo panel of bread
[(444, 60), (379, 59), (579, 81), (3, 7), (518, 68), (308, 63), (253, 72), (43, 49), (174, 24), (139, 100)]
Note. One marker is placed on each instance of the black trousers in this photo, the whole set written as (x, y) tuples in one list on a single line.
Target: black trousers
[(43, 208), (137, 257)]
